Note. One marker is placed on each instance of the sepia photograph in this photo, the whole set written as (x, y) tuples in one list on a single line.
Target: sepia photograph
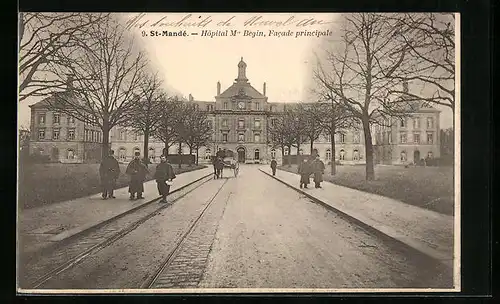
[(238, 153)]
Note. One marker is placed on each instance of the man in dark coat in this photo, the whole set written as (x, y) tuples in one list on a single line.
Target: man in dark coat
[(274, 164), (214, 163), (137, 171), (304, 171), (318, 168), (164, 172), (220, 153), (109, 170)]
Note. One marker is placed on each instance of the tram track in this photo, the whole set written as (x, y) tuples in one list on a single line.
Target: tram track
[(72, 251), (152, 280)]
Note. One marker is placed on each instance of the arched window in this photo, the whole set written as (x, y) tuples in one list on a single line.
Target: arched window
[(273, 153), (208, 154), (286, 151), (403, 156), (136, 149), (328, 154), (70, 154), (257, 154), (355, 155), (429, 154), (342, 154), (122, 154)]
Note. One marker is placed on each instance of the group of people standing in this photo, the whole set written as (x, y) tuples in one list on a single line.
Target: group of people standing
[(305, 169), (315, 167), (109, 171)]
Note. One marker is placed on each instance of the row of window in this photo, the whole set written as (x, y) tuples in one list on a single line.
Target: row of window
[(403, 138), (241, 123), (403, 123), (92, 136), (257, 106), (328, 154), (403, 157), (241, 137), (56, 118), (56, 133)]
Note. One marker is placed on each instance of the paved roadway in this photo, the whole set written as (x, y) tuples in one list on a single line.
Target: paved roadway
[(257, 233)]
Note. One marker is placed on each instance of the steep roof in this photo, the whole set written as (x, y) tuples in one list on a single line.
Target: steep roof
[(51, 100), (238, 88)]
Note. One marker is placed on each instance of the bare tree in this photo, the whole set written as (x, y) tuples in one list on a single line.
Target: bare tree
[(288, 131), (333, 118), (106, 76), (145, 112), (278, 134), (199, 131), (362, 73), (311, 115), (166, 131), (429, 39), (183, 126), (42, 38)]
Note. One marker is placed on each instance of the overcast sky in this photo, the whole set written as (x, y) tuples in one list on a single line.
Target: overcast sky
[(194, 64)]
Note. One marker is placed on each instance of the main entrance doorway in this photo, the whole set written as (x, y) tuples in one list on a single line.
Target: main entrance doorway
[(241, 154), (416, 157)]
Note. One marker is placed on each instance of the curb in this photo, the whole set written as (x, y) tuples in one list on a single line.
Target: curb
[(399, 239), (79, 231)]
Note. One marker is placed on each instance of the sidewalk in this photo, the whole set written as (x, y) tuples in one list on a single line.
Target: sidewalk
[(55, 222), (424, 230)]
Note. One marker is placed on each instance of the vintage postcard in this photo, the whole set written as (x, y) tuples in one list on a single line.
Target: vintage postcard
[(238, 153)]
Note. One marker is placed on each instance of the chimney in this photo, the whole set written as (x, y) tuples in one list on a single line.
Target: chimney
[(218, 88), (191, 97), (264, 89)]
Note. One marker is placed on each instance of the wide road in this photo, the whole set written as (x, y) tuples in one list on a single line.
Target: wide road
[(256, 233)]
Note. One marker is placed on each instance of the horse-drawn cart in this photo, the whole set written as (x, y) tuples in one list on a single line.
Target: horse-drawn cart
[(226, 159)]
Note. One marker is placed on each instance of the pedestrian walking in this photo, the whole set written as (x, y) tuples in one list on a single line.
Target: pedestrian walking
[(137, 171), (214, 163), (164, 175), (318, 168), (304, 171), (274, 164), (109, 170)]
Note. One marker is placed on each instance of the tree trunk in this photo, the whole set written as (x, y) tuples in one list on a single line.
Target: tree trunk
[(289, 156), (180, 154), (197, 150), (146, 148), (333, 165), (105, 139), (165, 151), (282, 154), (312, 144), (190, 153), (370, 171)]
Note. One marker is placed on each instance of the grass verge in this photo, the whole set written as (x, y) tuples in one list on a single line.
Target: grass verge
[(427, 187), (43, 184)]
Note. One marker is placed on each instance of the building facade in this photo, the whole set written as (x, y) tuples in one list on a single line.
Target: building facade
[(63, 138), (241, 117), (410, 139)]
